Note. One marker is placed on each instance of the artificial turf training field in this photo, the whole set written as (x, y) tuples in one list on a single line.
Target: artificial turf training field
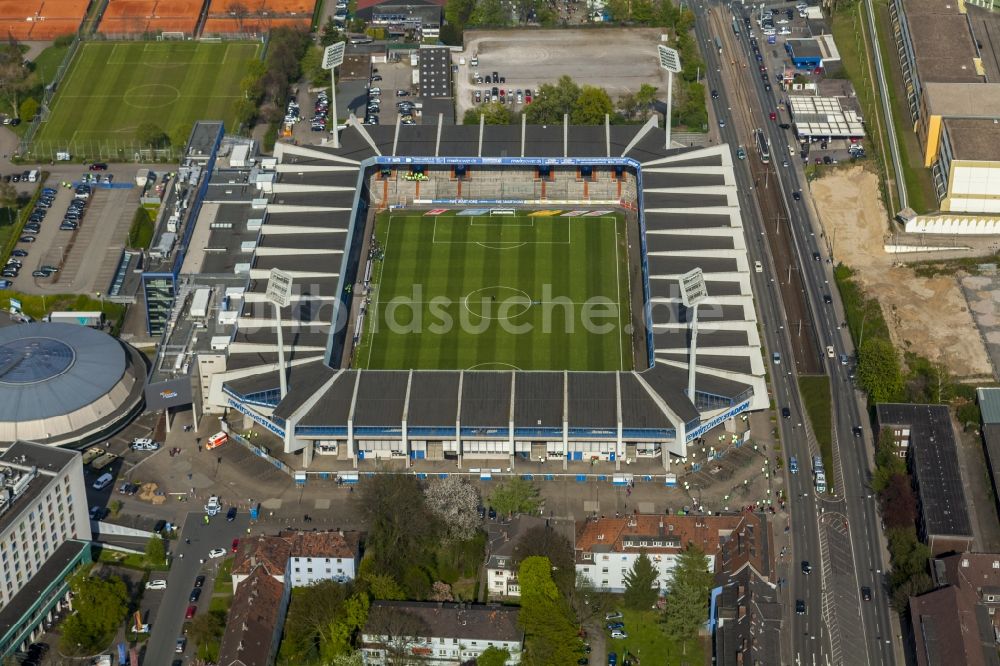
[(488, 292), (113, 87)]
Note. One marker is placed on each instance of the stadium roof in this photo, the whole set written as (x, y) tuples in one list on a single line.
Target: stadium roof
[(692, 219)]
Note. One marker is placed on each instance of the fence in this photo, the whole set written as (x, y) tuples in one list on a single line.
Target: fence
[(50, 91), (113, 150)]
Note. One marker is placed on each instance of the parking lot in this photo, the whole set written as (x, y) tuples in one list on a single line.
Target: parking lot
[(86, 257), (529, 58)]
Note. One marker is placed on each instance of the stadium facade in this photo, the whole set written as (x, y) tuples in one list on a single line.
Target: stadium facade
[(311, 211)]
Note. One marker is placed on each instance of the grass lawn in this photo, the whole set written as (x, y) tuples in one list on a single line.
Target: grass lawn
[(130, 560), (140, 234), (112, 87), (647, 641), (37, 306), (815, 391), (498, 292), (48, 62)]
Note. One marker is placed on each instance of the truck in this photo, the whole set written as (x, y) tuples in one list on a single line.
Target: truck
[(103, 461), (92, 319)]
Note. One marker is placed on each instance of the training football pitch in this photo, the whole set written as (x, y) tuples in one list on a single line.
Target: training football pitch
[(532, 290), (113, 87)]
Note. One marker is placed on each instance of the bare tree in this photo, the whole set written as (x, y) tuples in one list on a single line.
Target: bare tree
[(400, 631), (239, 11), (456, 502)]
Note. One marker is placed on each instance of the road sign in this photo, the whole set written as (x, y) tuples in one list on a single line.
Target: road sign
[(279, 288), (333, 56), (669, 59)]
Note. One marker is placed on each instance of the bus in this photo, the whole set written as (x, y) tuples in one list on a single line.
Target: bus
[(718, 44), (216, 440), (763, 152)]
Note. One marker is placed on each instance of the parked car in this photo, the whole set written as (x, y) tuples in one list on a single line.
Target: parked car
[(217, 552), (190, 612), (199, 581), (156, 585), (98, 166), (195, 595), (231, 514)]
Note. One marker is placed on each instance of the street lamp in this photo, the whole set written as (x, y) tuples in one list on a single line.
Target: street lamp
[(333, 57), (670, 60)]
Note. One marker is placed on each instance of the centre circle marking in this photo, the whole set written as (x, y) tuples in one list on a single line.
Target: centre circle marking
[(520, 298), (151, 96)]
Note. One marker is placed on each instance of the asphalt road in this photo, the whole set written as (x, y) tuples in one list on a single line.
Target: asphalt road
[(838, 533), (169, 623)]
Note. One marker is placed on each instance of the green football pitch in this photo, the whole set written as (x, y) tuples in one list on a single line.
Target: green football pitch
[(113, 87), (489, 292)]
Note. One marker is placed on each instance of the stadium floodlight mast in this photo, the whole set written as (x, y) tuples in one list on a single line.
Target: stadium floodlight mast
[(670, 60), (692, 293), (279, 292), (333, 57)]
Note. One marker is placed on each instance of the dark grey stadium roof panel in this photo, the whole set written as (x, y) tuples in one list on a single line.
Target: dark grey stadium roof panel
[(667, 288), (701, 161), (244, 360), (433, 399), (673, 221), (337, 199), (303, 241), (321, 219), (335, 407), (669, 383), (269, 336), (538, 399), (308, 379), (673, 338), (682, 199), (653, 179), (381, 398), (346, 178), (306, 263), (592, 400), (740, 364), (486, 399), (685, 242), (674, 265), (639, 410), (321, 284), (708, 313)]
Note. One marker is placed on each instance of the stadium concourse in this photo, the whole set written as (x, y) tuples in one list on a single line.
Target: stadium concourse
[(681, 211)]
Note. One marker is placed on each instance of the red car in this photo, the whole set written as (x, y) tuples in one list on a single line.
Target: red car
[(98, 166), (236, 544), (774, 116), (192, 609)]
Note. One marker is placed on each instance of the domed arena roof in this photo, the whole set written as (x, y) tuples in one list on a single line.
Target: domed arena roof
[(57, 379)]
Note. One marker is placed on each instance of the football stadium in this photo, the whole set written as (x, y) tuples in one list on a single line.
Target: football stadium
[(487, 295)]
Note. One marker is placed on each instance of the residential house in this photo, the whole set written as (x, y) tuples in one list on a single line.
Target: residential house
[(305, 557), (438, 633), (256, 619), (958, 622), (607, 548)]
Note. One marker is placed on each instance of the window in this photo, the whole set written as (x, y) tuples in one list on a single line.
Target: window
[(604, 583), (604, 570)]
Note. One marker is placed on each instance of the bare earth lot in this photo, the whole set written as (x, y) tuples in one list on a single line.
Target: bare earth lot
[(616, 59), (928, 316)]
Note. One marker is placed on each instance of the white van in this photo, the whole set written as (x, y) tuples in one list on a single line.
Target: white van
[(103, 481), (33, 176)]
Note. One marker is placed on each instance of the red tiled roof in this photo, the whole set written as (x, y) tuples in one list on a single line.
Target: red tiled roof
[(253, 620), (674, 532), (272, 551)]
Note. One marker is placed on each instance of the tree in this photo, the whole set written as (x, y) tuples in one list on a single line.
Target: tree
[(591, 106), (515, 495), (544, 541), (492, 13), (400, 523), (493, 656), (878, 370), (494, 113), (398, 629), (312, 67), (100, 606), (29, 109), (687, 598), (152, 135), (322, 621), (8, 200), (455, 502), (384, 587), (588, 601), (545, 616), (16, 78), (628, 105), (207, 628), (899, 504), (156, 551), (552, 101), (646, 96), (641, 589), (331, 33)]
